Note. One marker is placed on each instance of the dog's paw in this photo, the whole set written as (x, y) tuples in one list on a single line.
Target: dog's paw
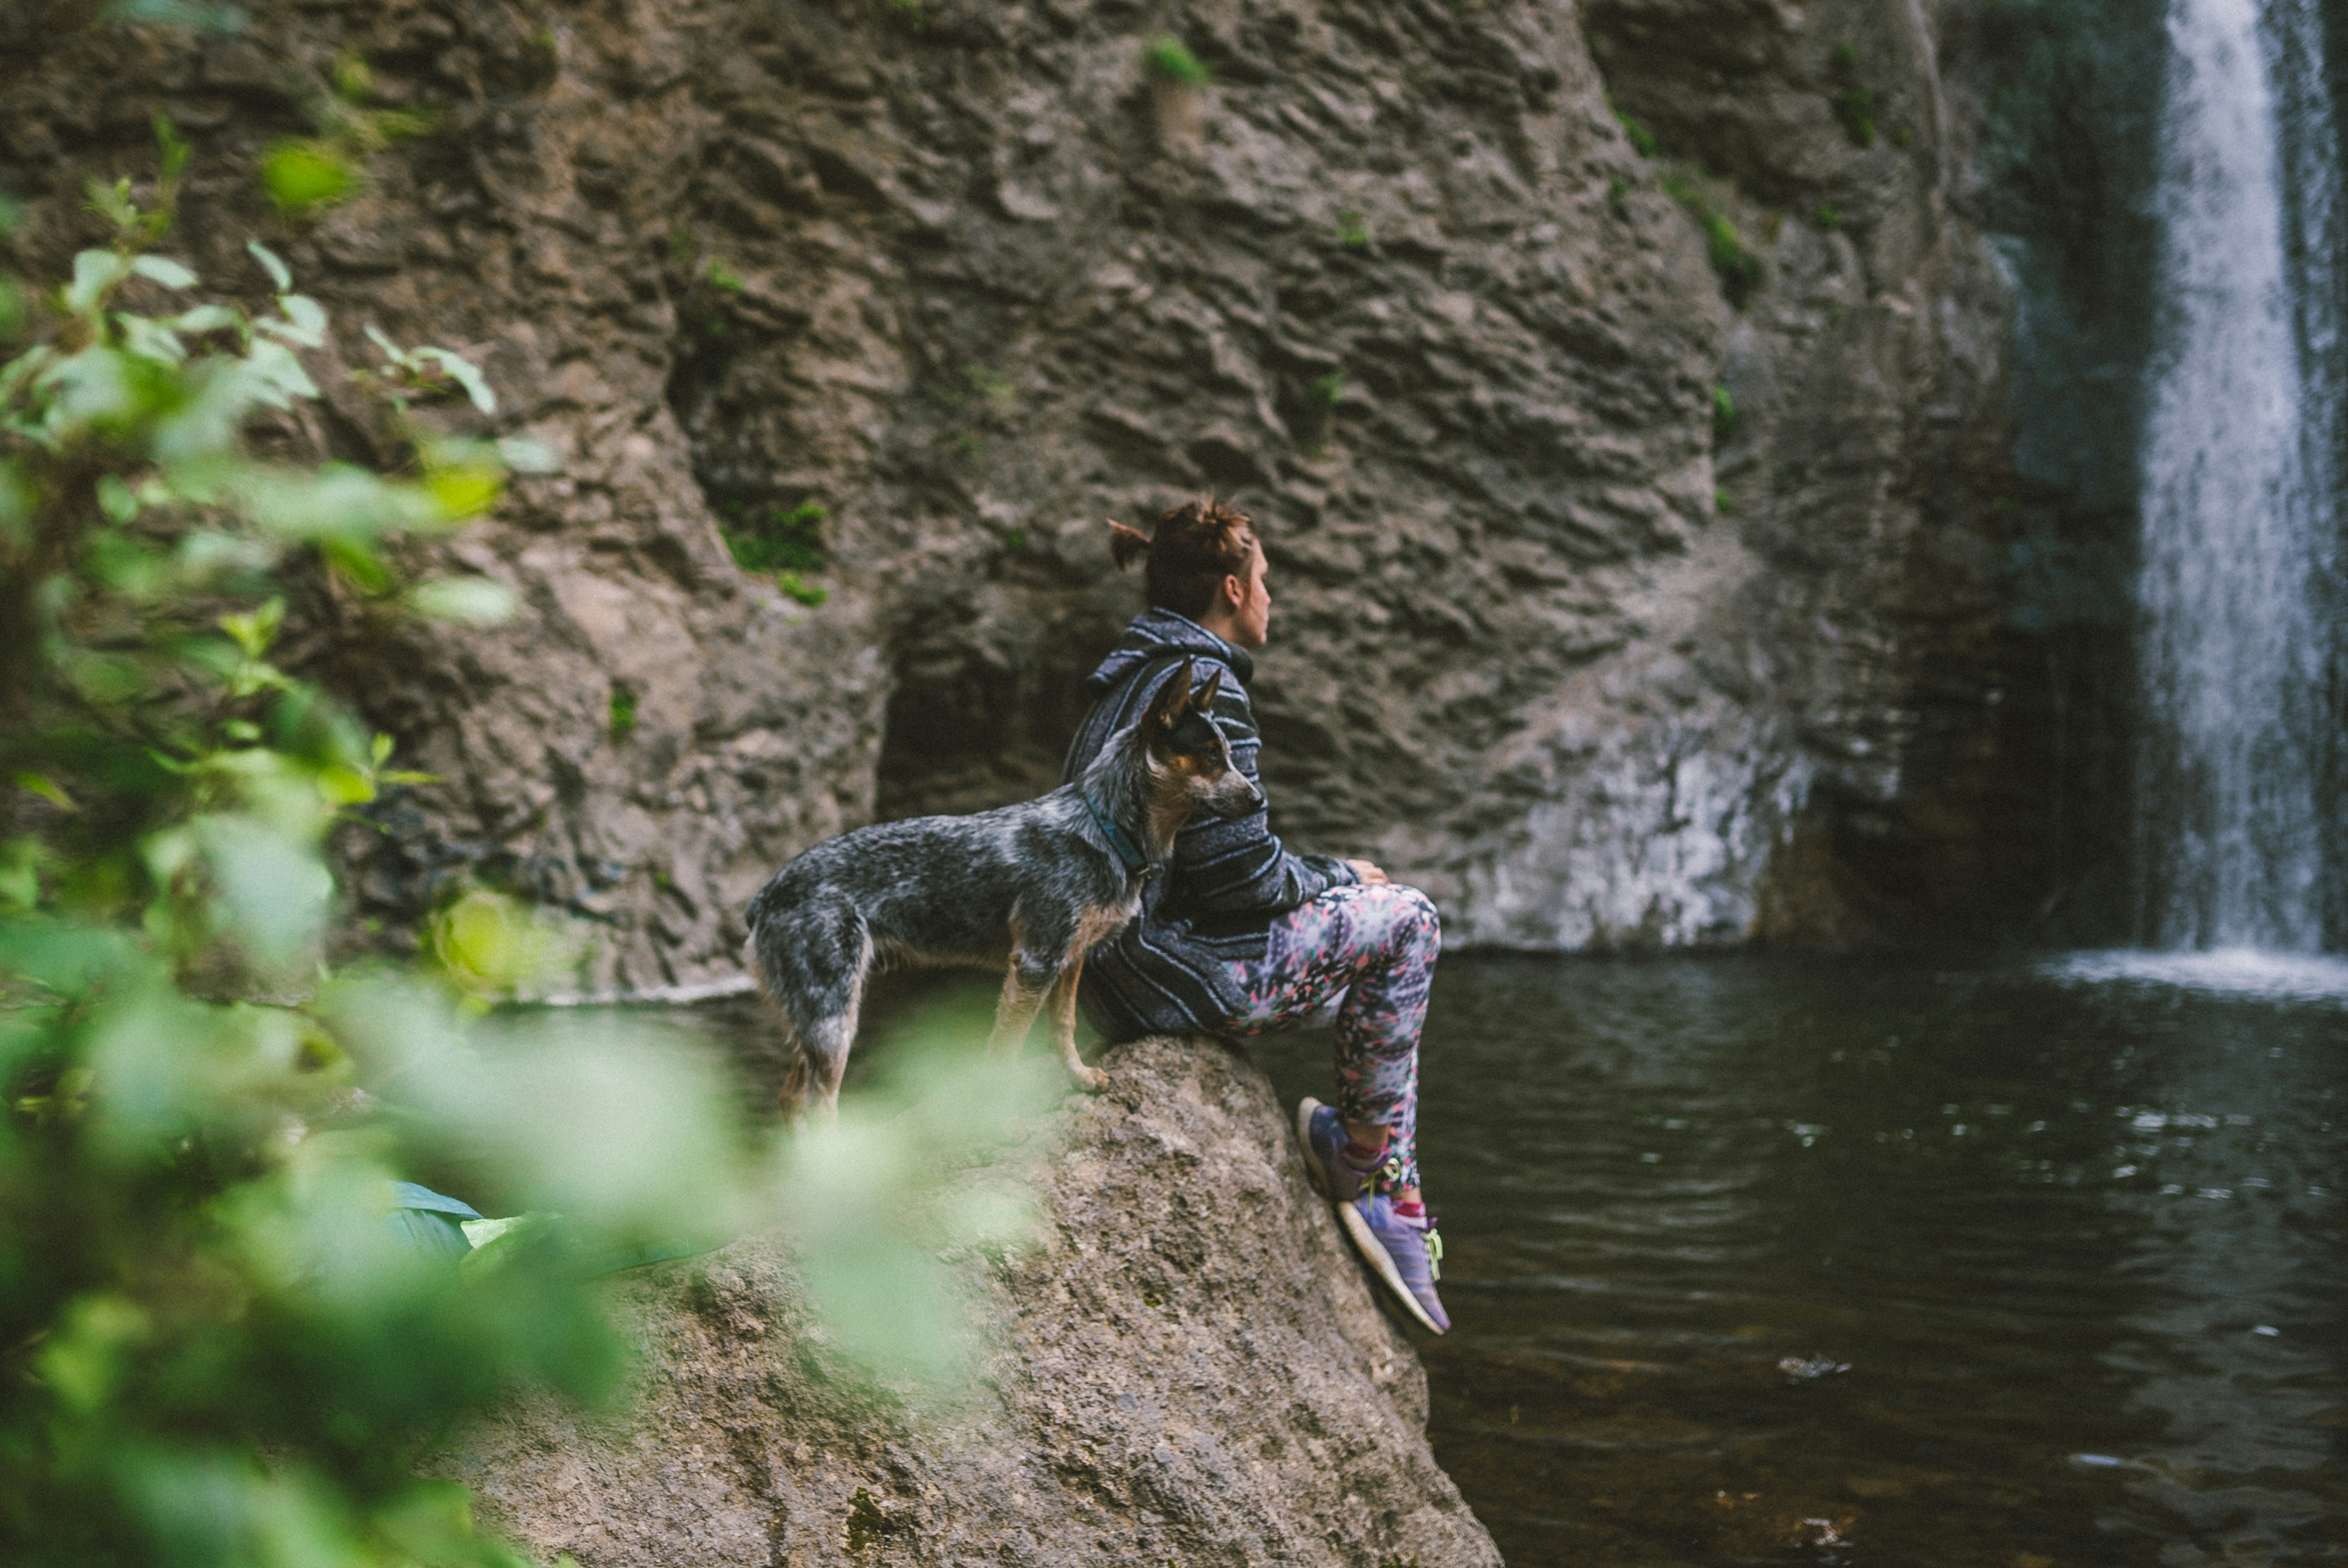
[(1093, 1079)]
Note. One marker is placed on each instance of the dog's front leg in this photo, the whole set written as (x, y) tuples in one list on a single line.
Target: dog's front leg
[(1064, 1026), (1015, 1011)]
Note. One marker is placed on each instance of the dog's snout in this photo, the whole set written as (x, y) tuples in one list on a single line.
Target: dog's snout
[(1247, 798)]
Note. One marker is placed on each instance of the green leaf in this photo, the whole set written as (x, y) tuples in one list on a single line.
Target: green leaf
[(171, 146), (1169, 59), (95, 387), (474, 601), (356, 562), (113, 202), (204, 318), (62, 957), (151, 340), (278, 275), (462, 371), (487, 943), (302, 176), (273, 888), (164, 270), (304, 313), (20, 860), (279, 376), (255, 630), (467, 490), (47, 789), (114, 498), (340, 785), (525, 454), (95, 275)]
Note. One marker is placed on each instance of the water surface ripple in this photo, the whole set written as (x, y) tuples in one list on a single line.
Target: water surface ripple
[(1767, 1260)]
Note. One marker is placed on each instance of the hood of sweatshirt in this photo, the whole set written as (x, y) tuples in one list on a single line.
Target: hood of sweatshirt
[(1154, 634)]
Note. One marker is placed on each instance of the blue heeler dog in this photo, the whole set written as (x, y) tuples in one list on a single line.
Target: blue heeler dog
[(1043, 881)]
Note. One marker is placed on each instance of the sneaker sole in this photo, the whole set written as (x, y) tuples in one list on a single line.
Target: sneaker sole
[(1304, 1110), (1365, 1241)]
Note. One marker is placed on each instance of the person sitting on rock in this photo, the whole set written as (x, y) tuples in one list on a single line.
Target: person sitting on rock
[(1240, 936)]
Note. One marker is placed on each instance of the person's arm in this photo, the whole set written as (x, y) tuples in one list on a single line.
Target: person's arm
[(1238, 865)]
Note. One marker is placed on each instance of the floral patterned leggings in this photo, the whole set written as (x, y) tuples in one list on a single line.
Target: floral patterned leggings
[(1362, 954)]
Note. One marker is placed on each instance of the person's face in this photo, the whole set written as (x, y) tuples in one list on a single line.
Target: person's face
[(1251, 614)]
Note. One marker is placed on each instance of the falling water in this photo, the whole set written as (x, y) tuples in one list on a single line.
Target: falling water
[(2239, 470)]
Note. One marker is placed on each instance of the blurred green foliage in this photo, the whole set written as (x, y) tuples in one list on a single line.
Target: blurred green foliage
[(301, 175), (1322, 396), (1853, 99), (1642, 139), (1167, 59), (219, 1342), (1737, 264), (784, 541), (305, 174), (621, 720)]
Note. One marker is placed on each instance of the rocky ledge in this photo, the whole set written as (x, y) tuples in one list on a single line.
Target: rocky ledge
[(1189, 1368)]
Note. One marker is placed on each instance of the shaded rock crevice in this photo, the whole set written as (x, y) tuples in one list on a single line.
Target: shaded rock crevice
[(1189, 1369)]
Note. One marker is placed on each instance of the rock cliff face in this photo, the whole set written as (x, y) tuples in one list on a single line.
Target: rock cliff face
[(1189, 1370), (1610, 610)]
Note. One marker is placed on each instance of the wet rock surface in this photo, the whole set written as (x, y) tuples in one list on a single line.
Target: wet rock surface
[(1190, 1368), (1610, 610)]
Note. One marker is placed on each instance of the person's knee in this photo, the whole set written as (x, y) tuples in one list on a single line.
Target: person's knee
[(1416, 924)]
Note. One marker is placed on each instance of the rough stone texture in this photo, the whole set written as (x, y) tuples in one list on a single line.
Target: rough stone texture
[(1549, 643), (1169, 1379)]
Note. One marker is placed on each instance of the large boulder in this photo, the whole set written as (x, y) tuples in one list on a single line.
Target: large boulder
[(1188, 1369)]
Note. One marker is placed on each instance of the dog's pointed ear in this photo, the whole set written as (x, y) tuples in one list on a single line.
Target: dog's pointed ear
[(1173, 700), (1203, 699)]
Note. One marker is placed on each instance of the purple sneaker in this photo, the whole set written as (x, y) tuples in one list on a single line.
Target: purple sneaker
[(1402, 1254), (1324, 1139)]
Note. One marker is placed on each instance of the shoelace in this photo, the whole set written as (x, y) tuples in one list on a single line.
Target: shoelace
[(1390, 1172)]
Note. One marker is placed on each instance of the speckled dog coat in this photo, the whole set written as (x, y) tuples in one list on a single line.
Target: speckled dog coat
[(1041, 883)]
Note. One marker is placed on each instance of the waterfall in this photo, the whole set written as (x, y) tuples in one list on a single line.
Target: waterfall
[(2239, 470)]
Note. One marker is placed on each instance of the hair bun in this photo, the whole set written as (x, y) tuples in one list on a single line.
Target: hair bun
[(1125, 545)]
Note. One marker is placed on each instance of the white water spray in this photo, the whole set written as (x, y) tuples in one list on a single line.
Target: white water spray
[(2239, 518)]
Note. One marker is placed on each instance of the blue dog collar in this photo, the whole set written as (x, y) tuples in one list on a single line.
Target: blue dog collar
[(1119, 843)]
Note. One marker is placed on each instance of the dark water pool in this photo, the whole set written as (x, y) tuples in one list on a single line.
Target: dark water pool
[(1769, 1260)]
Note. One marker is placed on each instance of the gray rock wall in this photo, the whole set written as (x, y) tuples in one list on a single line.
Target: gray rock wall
[(1188, 1370), (1553, 638)]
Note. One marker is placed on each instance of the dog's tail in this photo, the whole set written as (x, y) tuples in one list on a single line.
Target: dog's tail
[(811, 951)]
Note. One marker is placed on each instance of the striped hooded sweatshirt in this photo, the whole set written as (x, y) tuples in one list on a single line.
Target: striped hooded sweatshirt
[(1170, 971)]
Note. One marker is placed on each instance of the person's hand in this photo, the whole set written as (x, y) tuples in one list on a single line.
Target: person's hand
[(1368, 872)]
